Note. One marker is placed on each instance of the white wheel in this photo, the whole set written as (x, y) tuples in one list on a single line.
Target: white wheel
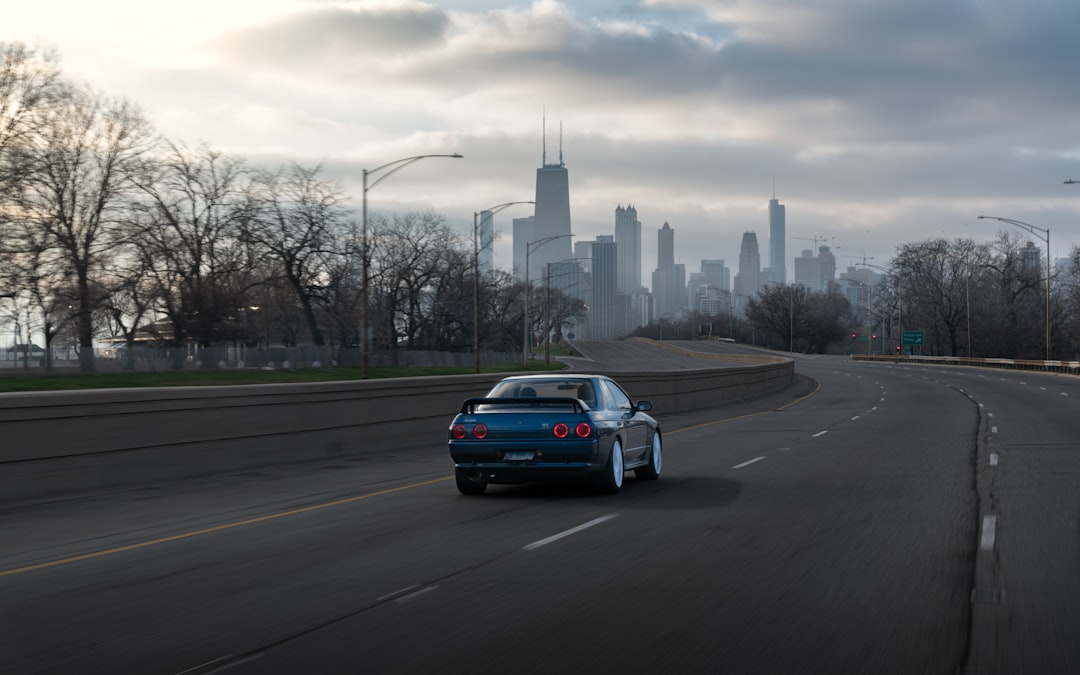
[(651, 471), (612, 478)]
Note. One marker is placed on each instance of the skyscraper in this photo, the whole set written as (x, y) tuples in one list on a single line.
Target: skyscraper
[(748, 281), (669, 279), (807, 273), (815, 272), (604, 275), (826, 266), (716, 274), (552, 216), (628, 244), (1030, 259), (486, 237), (523, 232), (777, 237)]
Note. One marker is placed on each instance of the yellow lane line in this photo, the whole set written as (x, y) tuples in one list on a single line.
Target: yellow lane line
[(817, 388), (314, 507), (216, 528)]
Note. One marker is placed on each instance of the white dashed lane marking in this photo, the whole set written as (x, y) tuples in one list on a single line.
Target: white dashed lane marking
[(745, 464)]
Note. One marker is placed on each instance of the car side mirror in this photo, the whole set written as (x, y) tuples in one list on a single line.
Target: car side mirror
[(643, 406)]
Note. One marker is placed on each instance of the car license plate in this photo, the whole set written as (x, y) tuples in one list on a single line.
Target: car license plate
[(518, 455)]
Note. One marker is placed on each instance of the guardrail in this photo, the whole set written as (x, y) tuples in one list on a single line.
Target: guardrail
[(1072, 367), (56, 443)]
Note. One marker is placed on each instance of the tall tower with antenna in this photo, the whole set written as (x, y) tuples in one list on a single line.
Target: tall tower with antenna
[(777, 237), (552, 213)]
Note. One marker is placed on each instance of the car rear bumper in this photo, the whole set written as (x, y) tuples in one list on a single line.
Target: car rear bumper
[(523, 472)]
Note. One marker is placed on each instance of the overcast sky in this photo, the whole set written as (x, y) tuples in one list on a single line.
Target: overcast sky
[(881, 121)]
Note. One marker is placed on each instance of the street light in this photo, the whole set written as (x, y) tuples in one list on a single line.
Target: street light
[(547, 303), (869, 317), (899, 311), (1044, 234), (476, 272), (531, 246), (391, 168)]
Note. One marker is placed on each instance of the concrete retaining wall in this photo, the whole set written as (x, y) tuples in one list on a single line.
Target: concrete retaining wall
[(52, 443)]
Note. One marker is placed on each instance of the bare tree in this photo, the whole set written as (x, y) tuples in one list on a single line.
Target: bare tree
[(409, 254), (935, 278), (80, 168), (189, 229), (296, 217), (30, 87)]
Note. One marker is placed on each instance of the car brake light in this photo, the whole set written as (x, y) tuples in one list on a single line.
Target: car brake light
[(583, 430), (480, 430), (561, 430), (459, 431)]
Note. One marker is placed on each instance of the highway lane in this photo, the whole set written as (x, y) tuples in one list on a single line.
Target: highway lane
[(833, 534), (1028, 596)]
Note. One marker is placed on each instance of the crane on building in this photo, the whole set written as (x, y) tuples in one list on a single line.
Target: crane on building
[(815, 239)]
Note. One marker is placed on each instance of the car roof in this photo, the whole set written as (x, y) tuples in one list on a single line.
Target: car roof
[(557, 376)]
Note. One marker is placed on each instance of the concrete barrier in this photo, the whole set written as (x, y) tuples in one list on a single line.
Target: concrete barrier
[(52, 443)]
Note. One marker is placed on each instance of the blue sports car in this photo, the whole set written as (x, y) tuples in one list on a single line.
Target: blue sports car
[(542, 427)]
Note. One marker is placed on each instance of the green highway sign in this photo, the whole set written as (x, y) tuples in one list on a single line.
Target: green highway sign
[(912, 337)]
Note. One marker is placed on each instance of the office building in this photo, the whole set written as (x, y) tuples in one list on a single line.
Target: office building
[(717, 274), (551, 214), (815, 273), (485, 241), (523, 232), (748, 280), (777, 237), (669, 279), (602, 309), (628, 246), (1030, 260)]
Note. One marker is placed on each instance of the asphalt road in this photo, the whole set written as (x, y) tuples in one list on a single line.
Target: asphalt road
[(872, 519)]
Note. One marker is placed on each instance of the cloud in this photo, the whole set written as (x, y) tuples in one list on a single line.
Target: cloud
[(880, 121)]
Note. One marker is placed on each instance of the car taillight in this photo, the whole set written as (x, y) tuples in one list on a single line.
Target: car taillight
[(561, 430), (459, 431), (480, 430), (583, 430)]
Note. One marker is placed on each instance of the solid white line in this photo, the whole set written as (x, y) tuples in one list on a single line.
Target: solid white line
[(234, 664), (405, 598), (988, 533), (820, 433), (204, 665), (573, 530), (993, 459), (400, 591), (754, 460)]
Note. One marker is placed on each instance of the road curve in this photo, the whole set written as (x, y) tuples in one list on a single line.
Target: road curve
[(874, 518)]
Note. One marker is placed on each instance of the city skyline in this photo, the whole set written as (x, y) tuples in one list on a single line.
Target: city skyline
[(689, 111)]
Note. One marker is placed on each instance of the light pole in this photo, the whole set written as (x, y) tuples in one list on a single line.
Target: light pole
[(531, 246), (390, 168), (547, 303), (1044, 234), (476, 272), (899, 312)]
